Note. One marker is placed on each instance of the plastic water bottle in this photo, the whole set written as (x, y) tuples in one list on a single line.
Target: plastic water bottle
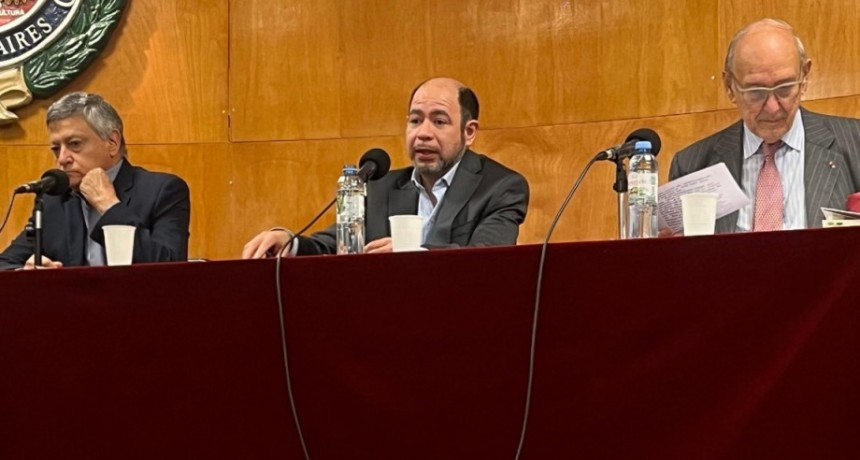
[(642, 193), (351, 193)]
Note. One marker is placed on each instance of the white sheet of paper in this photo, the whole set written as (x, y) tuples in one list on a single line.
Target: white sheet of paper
[(716, 179), (839, 214)]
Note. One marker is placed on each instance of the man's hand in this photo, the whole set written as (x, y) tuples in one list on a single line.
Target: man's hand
[(267, 244), (379, 246), (46, 264), (667, 233), (98, 190)]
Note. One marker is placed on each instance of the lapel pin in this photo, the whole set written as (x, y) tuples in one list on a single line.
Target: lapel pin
[(832, 164)]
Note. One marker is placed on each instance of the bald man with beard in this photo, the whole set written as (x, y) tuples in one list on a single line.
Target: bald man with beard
[(465, 198)]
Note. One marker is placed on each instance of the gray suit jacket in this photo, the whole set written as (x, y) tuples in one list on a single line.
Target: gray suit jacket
[(484, 206), (831, 162)]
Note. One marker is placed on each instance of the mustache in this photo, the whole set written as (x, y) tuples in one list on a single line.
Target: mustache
[(426, 148)]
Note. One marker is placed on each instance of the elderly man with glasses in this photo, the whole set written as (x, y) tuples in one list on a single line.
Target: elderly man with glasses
[(788, 160)]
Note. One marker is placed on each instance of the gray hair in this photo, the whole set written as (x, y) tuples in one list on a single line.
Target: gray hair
[(776, 23), (98, 113)]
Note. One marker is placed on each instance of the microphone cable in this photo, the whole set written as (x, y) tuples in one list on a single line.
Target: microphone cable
[(8, 212), (280, 256), (537, 303)]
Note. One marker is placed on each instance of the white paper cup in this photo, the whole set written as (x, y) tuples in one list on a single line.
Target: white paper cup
[(699, 211), (119, 244), (406, 233)]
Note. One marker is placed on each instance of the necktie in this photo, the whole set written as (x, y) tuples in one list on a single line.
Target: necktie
[(768, 192)]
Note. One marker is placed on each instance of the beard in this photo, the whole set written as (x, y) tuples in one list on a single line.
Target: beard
[(441, 166)]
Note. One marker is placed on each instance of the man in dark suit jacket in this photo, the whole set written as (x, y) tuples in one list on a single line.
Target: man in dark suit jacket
[(86, 137), (467, 198), (817, 156)]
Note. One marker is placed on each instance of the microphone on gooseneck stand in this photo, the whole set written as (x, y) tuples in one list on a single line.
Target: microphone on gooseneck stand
[(53, 182), (617, 154), (622, 151), (374, 164)]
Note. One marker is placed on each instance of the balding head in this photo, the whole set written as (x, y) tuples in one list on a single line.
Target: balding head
[(776, 34), (765, 75), (466, 98)]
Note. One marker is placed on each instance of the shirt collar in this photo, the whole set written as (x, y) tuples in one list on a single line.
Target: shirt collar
[(114, 170), (794, 138)]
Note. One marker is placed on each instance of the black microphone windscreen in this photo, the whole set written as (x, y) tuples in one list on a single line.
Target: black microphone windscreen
[(646, 134), (61, 182), (380, 158)]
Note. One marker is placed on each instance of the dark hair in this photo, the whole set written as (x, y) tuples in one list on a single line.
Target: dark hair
[(468, 100), (469, 106)]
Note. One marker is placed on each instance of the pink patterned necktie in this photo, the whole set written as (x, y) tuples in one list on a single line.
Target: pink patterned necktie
[(768, 192)]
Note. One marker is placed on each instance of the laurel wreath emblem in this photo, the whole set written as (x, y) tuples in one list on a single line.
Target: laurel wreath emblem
[(88, 34)]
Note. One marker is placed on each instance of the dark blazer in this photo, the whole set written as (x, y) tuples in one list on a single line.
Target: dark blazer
[(831, 162), (157, 204), (484, 206)]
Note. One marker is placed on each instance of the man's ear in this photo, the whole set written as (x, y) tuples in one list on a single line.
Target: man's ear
[(114, 141), (470, 131), (727, 86), (805, 72)]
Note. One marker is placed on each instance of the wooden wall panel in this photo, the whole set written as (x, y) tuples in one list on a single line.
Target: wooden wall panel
[(284, 70), (547, 62), (385, 56), (341, 70)]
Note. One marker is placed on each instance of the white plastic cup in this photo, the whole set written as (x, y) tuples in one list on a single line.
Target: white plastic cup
[(119, 244), (699, 212), (406, 233)]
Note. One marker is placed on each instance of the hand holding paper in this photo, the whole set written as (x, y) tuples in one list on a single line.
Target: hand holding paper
[(713, 179)]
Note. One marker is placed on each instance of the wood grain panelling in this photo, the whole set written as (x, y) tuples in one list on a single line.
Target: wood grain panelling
[(285, 80), (550, 62), (386, 48)]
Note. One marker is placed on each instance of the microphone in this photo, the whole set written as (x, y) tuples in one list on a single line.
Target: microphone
[(622, 151), (53, 182), (374, 164)]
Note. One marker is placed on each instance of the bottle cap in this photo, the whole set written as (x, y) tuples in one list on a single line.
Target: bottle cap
[(642, 145), (349, 169)]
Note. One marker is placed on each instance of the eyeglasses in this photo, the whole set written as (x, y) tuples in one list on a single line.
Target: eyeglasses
[(759, 94)]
